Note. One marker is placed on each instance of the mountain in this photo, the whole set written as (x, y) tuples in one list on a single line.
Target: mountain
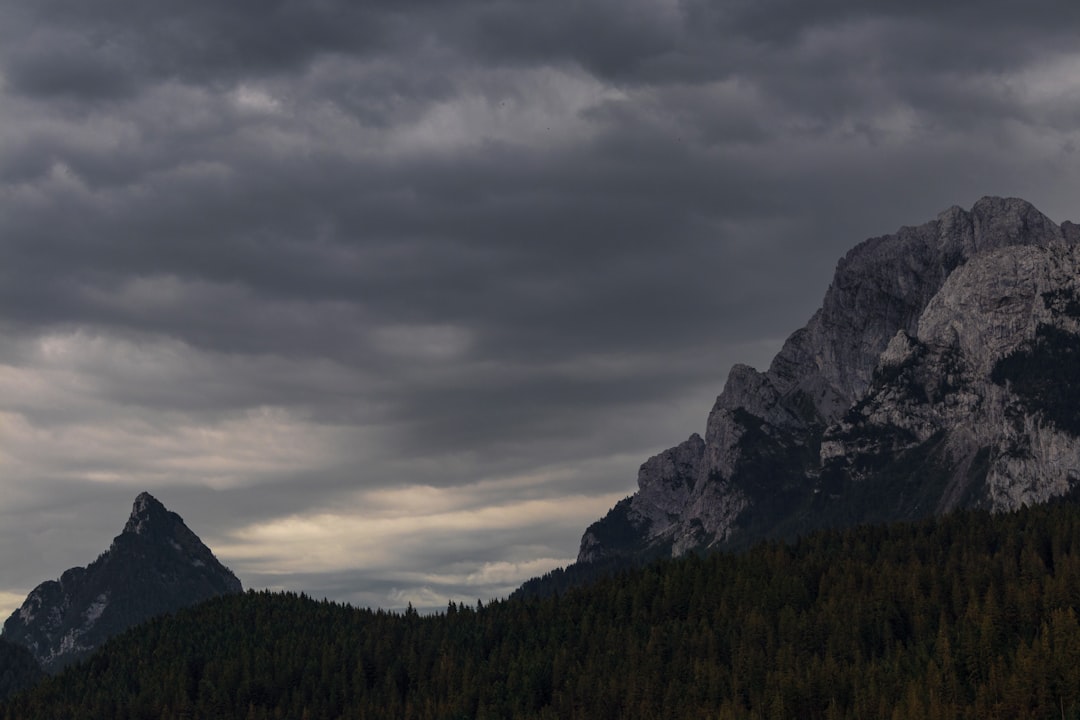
[(156, 565), (941, 371)]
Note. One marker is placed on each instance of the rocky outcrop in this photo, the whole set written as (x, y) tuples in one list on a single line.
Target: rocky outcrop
[(992, 372), (156, 565), (912, 390)]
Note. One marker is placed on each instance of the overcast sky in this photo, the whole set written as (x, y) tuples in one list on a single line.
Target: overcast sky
[(389, 300)]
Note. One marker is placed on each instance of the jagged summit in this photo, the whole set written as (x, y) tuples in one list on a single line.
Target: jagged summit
[(155, 565), (913, 389), (146, 510)]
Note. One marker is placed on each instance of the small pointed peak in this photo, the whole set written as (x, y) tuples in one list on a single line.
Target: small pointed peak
[(144, 503), (145, 507)]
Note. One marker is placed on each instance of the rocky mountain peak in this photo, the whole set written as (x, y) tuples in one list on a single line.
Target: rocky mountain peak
[(897, 366), (155, 565), (145, 511)]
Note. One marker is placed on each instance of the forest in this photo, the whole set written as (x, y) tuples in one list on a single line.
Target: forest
[(972, 615)]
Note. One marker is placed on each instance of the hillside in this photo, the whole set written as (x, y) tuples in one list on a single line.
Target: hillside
[(968, 616)]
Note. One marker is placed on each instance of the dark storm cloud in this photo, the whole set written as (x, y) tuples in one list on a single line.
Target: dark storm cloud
[(68, 65), (608, 38), (269, 255), (73, 48), (109, 49), (459, 242)]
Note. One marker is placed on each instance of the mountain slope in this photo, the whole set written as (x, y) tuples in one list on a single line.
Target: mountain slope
[(154, 566), (915, 389)]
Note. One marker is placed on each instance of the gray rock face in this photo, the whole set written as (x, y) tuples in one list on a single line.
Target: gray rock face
[(910, 391), (156, 565)]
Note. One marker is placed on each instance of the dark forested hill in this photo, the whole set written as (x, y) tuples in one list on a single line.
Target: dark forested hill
[(968, 616)]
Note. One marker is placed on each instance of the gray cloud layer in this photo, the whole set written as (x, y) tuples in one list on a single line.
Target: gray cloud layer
[(422, 270)]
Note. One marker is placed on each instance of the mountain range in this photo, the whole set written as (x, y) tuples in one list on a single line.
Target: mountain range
[(970, 616), (942, 371)]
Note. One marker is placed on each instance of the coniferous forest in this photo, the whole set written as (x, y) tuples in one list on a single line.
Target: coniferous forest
[(18, 669), (969, 616)]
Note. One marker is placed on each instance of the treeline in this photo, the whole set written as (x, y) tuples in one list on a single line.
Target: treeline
[(969, 616)]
